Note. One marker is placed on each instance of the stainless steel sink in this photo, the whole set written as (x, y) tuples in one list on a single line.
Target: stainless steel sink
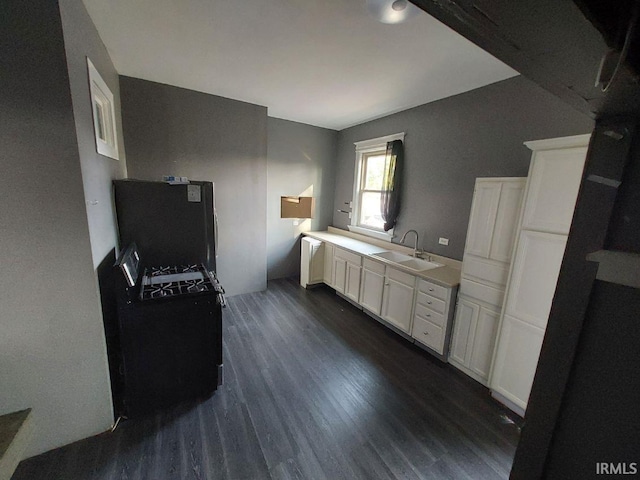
[(407, 261)]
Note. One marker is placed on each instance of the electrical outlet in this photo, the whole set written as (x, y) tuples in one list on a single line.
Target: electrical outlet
[(443, 241)]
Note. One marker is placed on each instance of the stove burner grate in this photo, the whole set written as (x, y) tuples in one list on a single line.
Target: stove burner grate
[(157, 271), (176, 283)]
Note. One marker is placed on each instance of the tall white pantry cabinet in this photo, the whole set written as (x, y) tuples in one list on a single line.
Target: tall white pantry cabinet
[(550, 197), (493, 222)]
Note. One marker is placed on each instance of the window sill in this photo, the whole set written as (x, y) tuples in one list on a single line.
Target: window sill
[(386, 236)]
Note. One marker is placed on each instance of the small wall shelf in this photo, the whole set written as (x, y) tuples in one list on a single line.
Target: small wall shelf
[(15, 432), (617, 267)]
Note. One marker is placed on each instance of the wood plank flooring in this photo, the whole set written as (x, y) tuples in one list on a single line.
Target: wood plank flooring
[(313, 389)]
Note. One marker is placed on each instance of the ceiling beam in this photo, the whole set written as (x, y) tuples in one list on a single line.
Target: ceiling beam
[(550, 42)]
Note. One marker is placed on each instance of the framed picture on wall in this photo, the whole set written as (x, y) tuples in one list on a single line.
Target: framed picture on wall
[(104, 117)]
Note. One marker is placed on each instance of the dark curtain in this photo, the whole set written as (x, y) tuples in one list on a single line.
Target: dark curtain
[(392, 183)]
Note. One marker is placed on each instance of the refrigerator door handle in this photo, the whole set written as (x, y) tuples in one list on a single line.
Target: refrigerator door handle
[(215, 231)]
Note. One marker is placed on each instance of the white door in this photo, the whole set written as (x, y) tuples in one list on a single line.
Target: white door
[(328, 264), (483, 215), (553, 189), (484, 340), (339, 274), (463, 331), (397, 302), (506, 225), (371, 291), (516, 360), (535, 273), (316, 267), (352, 282)]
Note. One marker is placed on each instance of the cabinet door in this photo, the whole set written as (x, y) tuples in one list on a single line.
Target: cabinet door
[(371, 291), (484, 208), (516, 360), (463, 331), (352, 282), (328, 264), (339, 274), (536, 266), (397, 302), (506, 224), (553, 189), (316, 267), (484, 341)]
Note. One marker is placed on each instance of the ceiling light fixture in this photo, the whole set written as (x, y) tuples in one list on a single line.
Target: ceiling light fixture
[(392, 11)]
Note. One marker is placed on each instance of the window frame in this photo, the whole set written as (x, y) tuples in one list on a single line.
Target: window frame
[(364, 149)]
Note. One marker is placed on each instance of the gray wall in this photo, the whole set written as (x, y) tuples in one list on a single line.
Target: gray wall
[(174, 131), (52, 353), (451, 142), (300, 161), (81, 41)]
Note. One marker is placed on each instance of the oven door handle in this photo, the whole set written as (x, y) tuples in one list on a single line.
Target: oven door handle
[(221, 300)]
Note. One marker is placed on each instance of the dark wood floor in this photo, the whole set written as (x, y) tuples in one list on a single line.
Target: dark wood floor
[(313, 389)]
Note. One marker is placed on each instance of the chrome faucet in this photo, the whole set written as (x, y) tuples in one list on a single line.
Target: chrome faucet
[(415, 245)]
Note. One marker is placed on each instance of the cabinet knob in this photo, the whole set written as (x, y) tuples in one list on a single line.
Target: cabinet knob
[(425, 333), (428, 303), (431, 289)]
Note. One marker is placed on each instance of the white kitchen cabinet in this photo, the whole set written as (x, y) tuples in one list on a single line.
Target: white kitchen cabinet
[(346, 273), (433, 314), (552, 189), (339, 278), (484, 208), (506, 222), (418, 309), (311, 262), (372, 286), (484, 342), (352, 283), (474, 338), (493, 225), (492, 228), (327, 273), (397, 298), (466, 320)]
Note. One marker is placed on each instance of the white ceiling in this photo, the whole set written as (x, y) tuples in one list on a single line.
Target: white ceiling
[(321, 62)]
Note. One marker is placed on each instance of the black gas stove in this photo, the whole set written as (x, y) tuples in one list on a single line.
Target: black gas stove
[(165, 282), (170, 333)]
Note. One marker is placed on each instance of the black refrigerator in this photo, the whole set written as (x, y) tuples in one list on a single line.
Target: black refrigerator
[(170, 224), (169, 298)]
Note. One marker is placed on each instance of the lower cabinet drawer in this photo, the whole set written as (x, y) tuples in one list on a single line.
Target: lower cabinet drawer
[(426, 332), (348, 256), (428, 314), (433, 289), (431, 302)]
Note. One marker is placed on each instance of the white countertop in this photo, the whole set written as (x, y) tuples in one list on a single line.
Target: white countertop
[(447, 276)]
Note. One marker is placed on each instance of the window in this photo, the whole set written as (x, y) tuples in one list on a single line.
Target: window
[(366, 217), (370, 192)]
